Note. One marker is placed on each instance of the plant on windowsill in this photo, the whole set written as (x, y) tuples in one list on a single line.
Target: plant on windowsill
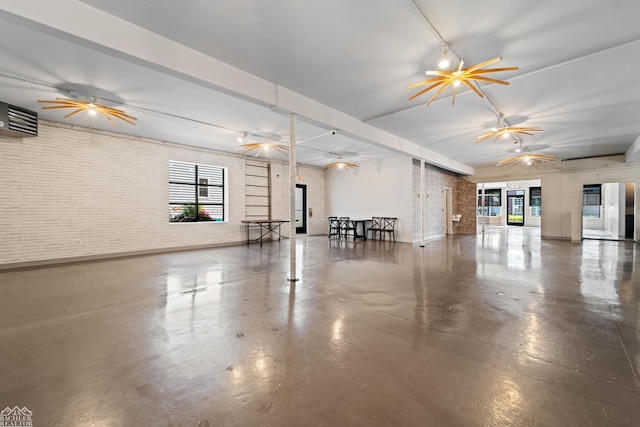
[(189, 214)]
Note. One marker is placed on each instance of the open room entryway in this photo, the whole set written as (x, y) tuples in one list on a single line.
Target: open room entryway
[(608, 211), (511, 203)]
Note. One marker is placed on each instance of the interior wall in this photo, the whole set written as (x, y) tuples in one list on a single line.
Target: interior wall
[(611, 207), (436, 180), (553, 213), (465, 205), (375, 188), (110, 193)]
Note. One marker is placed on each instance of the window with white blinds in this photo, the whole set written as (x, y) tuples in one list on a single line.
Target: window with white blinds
[(196, 192)]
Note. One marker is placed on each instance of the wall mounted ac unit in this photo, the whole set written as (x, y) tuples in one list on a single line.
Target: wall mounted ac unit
[(17, 122)]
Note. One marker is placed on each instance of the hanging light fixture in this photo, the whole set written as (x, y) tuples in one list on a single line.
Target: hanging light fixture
[(341, 165), (263, 146), (91, 107), (458, 76), (507, 132), (528, 159)]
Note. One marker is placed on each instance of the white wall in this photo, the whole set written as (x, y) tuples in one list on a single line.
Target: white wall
[(111, 192), (552, 206), (611, 207), (375, 188)]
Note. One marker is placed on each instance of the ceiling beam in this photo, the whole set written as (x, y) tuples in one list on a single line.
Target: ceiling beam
[(633, 153)]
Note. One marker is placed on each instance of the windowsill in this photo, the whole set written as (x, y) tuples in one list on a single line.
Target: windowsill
[(198, 222)]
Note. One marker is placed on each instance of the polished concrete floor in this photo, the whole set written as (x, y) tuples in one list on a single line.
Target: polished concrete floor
[(503, 329)]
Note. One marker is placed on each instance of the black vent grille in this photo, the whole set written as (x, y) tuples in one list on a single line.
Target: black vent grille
[(17, 122), (23, 121)]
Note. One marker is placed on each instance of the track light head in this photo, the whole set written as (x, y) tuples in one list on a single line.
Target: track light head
[(444, 61), (243, 137)]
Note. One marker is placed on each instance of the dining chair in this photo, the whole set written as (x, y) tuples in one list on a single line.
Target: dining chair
[(376, 222), (334, 226), (346, 227), (388, 225)]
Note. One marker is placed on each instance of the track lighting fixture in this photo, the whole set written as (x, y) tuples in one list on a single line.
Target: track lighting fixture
[(444, 61), (243, 137)]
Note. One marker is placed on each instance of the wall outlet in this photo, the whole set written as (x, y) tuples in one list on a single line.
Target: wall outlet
[(77, 241)]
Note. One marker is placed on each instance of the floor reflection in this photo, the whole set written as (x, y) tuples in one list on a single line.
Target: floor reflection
[(503, 328)]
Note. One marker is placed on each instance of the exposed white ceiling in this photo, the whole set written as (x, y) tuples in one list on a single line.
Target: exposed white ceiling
[(202, 72)]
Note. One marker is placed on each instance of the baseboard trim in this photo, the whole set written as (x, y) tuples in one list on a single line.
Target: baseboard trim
[(89, 258)]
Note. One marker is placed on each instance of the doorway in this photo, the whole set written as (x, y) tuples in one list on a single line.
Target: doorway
[(515, 207), (608, 211), (301, 209)]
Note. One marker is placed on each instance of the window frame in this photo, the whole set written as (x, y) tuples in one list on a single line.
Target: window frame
[(535, 202), (203, 188), (595, 190), (493, 202)]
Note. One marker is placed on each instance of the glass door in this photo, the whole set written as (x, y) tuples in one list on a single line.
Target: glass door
[(301, 208), (515, 207)]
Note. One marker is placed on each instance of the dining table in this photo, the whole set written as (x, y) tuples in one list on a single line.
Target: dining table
[(362, 224)]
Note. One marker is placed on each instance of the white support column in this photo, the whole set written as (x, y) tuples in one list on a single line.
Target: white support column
[(422, 203), (292, 199), (482, 204)]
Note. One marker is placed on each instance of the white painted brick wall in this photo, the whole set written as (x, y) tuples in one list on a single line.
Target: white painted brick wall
[(108, 190)]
